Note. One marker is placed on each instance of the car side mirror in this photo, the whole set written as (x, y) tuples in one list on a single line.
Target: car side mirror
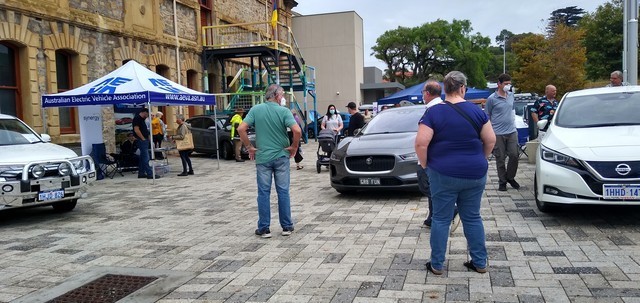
[(542, 124), (45, 137)]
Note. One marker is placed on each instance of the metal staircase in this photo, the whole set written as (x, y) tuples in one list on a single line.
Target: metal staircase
[(264, 50)]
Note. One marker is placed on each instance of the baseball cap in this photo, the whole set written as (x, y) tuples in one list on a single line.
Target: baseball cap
[(352, 105)]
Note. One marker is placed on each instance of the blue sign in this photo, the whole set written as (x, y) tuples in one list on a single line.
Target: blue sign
[(108, 86), (163, 84)]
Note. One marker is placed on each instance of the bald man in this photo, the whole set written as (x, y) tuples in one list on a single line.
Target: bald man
[(545, 108)]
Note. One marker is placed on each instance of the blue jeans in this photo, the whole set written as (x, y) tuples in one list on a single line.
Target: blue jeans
[(279, 169), (143, 165), (446, 192)]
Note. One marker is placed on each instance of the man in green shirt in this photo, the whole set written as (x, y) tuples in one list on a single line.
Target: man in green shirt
[(272, 153)]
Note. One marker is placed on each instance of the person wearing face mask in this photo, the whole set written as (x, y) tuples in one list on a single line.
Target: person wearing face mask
[(332, 120), (499, 107)]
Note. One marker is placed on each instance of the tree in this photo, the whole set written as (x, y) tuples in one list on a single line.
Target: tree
[(557, 60), (503, 38), (393, 48), (603, 39), (433, 49), (568, 16)]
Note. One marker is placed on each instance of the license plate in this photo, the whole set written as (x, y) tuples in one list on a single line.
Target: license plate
[(51, 195), (369, 181), (621, 191)]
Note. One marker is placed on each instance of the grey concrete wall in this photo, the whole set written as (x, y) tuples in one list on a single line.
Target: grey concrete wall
[(333, 43)]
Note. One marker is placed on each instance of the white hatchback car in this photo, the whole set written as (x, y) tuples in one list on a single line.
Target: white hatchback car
[(591, 152)]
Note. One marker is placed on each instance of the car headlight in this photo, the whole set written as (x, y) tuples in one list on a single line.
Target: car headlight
[(409, 157), (64, 169), (10, 171), (38, 171), (558, 158), (79, 165), (335, 157)]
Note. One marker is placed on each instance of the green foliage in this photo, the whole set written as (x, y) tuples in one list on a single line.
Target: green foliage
[(413, 55), (568, 16), (603, 39), (557, 60)]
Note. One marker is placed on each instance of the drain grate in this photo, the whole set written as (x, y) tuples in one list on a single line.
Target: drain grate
[(106, 289)]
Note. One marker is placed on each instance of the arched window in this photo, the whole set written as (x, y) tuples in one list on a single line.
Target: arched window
[(164, 71), (64, 76), (192, 78), (10, 80)]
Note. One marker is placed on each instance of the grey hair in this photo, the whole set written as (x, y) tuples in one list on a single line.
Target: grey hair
[(453, 81), (271, 91), (180, 116), (618, 74)]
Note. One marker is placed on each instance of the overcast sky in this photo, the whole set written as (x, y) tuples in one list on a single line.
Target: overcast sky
[(488, 17)]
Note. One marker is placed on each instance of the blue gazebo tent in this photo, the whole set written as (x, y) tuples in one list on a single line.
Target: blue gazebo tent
[(414, 95)]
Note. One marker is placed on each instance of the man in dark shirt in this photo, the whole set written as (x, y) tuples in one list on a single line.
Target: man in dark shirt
[(142, 135), (545, 108), (356, 121), (128, 150)]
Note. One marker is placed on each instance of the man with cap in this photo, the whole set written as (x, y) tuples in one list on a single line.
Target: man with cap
[(236, 120), (356, 121)]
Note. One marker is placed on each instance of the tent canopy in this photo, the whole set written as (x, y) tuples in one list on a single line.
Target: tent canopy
[(132, 83), (414, 94)]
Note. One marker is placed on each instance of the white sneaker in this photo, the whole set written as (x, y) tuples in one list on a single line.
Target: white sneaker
[(287, 231)]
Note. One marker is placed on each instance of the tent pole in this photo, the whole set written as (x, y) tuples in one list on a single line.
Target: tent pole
[(215, 118), (153, 148)]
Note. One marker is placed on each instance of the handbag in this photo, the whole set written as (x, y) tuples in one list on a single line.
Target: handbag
[(186, 143)]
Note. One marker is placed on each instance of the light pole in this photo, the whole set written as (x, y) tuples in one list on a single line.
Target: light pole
[(504, 55)]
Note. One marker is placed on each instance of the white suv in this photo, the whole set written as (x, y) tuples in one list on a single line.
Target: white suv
[(34, 172)]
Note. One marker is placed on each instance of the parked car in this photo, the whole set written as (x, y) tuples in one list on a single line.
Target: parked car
[(311, 127), (591, 152), (35, 172), (381, 155), (124, 120), (204, 136)]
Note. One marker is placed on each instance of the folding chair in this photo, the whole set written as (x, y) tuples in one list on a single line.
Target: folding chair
[(105, 166), (523, 138), (125, 163)]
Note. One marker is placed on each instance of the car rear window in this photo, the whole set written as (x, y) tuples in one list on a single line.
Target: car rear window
[(599, 110)]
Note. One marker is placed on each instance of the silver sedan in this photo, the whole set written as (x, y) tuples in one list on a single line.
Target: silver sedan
[(381, 156)]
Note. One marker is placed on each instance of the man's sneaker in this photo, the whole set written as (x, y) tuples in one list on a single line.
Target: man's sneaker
[(287, 231), (514, 184), (502, 187), (264, 233), (427, 223)]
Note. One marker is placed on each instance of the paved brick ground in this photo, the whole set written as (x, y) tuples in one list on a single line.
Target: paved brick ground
[(361, 248)]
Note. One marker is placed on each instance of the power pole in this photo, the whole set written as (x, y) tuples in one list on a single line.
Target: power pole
[(630, 53)]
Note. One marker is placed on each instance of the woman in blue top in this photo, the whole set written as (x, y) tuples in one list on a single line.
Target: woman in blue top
[(453, 142)]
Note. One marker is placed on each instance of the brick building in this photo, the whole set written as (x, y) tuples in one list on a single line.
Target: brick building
[(48, 46)]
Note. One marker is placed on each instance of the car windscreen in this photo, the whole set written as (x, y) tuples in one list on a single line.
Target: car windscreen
[(599, 110), (13, 132), (404, 119)]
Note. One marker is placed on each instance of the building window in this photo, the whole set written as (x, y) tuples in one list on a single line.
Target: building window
[(205, 3), (9, 82), (64, 76), (192, 78), (164, 71)]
